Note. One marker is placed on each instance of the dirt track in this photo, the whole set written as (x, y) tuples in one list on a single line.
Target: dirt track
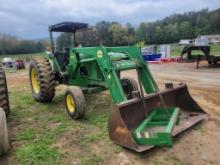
[(199, 145), (202, 145)]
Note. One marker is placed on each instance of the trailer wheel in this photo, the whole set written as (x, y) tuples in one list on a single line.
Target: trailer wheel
[(42, 80), (210, 60), (4, 143), (4, 100), (129, 85), (75, 102)]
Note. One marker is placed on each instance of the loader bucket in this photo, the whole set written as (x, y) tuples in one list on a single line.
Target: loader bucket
[(131, 114)]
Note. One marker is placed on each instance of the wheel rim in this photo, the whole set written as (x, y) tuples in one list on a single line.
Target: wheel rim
[(35, 81), (127, 87), (70, 103)]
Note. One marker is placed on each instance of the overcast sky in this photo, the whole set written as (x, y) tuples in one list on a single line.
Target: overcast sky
[(29, 19)]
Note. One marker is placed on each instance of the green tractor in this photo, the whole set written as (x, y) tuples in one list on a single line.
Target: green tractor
[(146, 116)]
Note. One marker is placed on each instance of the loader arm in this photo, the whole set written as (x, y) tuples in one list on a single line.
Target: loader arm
[(109, 68)]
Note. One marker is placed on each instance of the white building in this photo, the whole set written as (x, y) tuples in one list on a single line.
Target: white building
[(215, 38), (185, 41)]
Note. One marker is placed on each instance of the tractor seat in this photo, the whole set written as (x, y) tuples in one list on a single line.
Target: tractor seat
[(62, 58)]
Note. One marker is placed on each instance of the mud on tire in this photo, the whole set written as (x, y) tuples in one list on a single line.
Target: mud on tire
[(42, 79), (129, 85), (4, 143), (4, 99), (76, 109)]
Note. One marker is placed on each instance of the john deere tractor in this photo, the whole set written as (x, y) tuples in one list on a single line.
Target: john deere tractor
[(146, 116), (4, 111)]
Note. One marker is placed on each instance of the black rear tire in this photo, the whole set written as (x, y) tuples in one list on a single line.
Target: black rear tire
[(4, 99), (4, 143), (210, 62), (75, 102), (129, 85), (43, 85)]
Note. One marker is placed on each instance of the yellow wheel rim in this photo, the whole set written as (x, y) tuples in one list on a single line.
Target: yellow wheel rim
[(70, 103), (35, 81)]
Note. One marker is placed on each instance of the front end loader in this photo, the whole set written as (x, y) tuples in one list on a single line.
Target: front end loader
[(146, 117)]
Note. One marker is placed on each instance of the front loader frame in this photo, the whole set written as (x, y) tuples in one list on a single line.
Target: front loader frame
[(104, 71)]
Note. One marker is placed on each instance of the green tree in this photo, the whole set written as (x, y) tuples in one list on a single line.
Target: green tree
[(103, 33), (185, 30), (64, 40), (131, 33), (40, 47), (141, 32), (119, 34)]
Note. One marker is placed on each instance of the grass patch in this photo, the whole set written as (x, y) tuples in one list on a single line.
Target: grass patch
[(199, 127), (37, 153), (176, 161), (91, 160), (26, 135), (40, 125), (86, 139), (171, 160), (97, 119), (118, 149), (215, 49), (156, 162)]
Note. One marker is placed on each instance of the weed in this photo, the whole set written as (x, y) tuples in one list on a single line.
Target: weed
[(156, 162), (118, 149), (176, 160), (37, 153), (91, 160), (26, 135)]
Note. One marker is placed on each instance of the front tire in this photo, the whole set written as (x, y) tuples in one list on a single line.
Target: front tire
[(4, 143), (75, 102), (42, 80)]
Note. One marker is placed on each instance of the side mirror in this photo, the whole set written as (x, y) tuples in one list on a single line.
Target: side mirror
[(51, 55)]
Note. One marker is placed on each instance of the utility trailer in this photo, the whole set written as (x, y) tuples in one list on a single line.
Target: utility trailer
[(206, 56)]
